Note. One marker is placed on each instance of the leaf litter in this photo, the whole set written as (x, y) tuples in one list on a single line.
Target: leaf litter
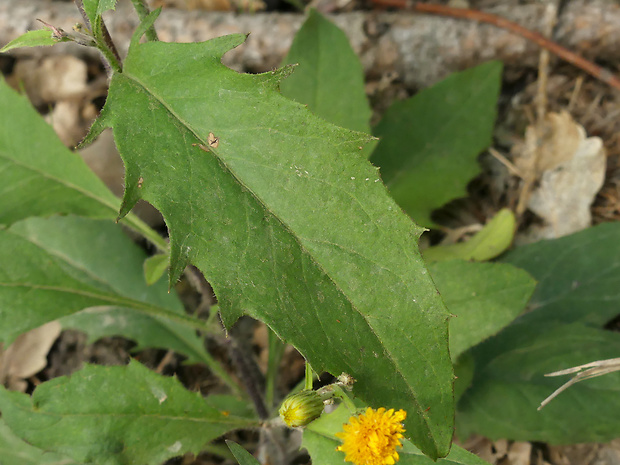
[(27, 355), (562, 172)]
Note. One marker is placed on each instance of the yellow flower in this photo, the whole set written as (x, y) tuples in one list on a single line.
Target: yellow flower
[(371, 438)]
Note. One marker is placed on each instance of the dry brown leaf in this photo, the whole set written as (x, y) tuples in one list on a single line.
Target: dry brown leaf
[(27, 355), (490, 451), (547, 145), (519, 453), (569, 168)]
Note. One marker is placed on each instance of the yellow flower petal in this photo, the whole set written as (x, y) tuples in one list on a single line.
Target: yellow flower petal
[(371, 438)]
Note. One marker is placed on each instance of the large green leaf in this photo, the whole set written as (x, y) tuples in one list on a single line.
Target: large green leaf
[(508, 388), (320, 440), (39, 176), (15, 451), (288, 222), (430, 142), (484, 297), (578, 275), (577, 294), (54, 267), (330, 77), (117, 415)]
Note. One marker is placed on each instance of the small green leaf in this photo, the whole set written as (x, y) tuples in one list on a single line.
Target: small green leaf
[(54, 267), (155, 267), (509, 385), (491, 241), (484, 297), (320, 440), (15, 451), (37, 38), (94, 8), (243, 456), (116, 415), (430, 142), (330, 77)]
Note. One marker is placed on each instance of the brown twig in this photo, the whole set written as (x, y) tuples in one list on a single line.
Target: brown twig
[(594, 70), (164, 361), (251, 377)]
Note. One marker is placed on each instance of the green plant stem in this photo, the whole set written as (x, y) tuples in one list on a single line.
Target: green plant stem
[(105, 45), (135, 223), (109, 57), (346, 400), (309, 377), (102, 38), (276, 350), (143, 11)]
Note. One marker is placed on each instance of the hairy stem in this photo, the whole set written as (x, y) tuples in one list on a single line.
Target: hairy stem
[(139, 226), (112, 59), (143, 11)]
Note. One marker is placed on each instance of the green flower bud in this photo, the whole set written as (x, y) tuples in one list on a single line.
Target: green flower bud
[(301, 408)]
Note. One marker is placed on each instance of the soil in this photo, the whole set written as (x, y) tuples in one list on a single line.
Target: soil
[(69, 88)]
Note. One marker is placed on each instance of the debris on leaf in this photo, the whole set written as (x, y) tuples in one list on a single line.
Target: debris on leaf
[(213, 141), (587, 371)]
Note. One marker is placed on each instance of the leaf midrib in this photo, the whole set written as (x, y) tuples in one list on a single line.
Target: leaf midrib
[(63, 182), (226, 420), (149, 309), (79, 267)]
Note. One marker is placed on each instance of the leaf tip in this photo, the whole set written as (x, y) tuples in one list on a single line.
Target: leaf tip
[(279, 74), (133, 187), (98, 126), (179, 258), (144, 26)]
